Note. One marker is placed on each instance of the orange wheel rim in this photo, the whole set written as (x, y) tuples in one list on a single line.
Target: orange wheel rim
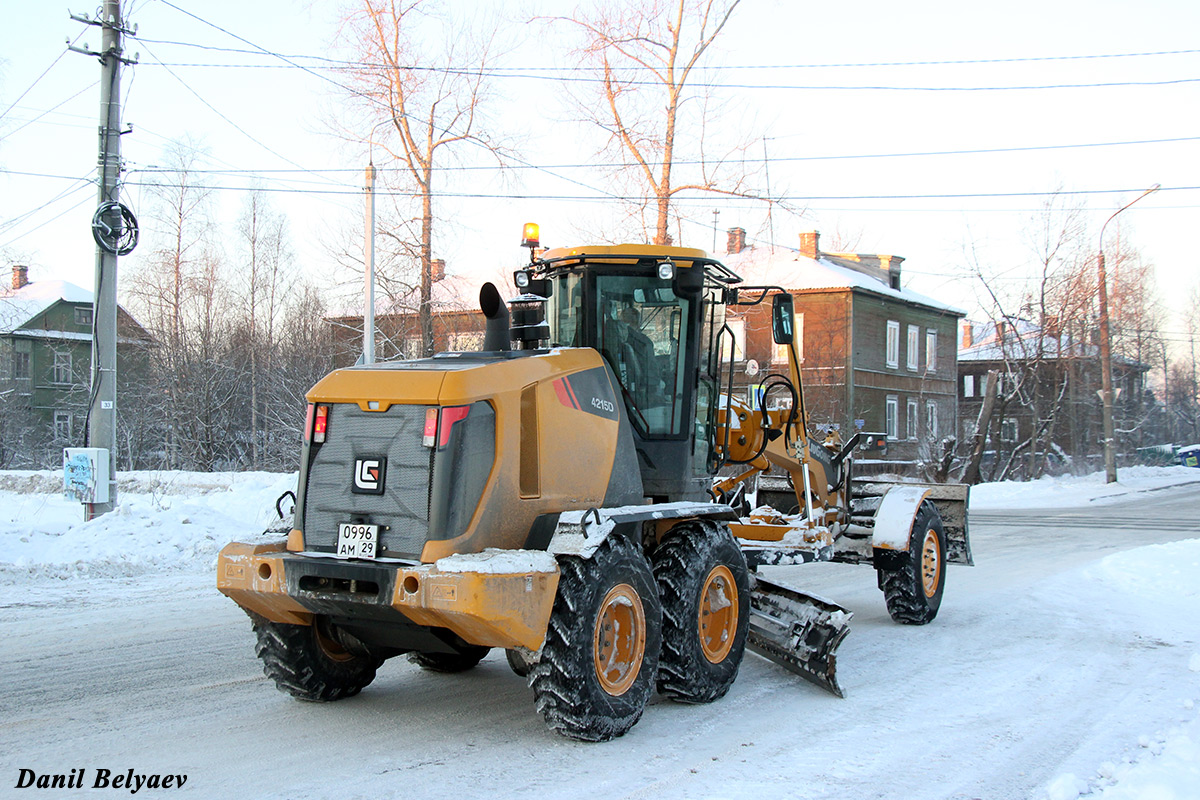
[(620, 639), (931, 563), (718, 614), (330, 646)]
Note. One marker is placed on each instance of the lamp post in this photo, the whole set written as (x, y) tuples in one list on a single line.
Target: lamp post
[(1106, 378)]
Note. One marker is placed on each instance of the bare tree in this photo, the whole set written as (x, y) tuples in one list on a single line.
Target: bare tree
[(421, 87), (264, 256), (644, 55)]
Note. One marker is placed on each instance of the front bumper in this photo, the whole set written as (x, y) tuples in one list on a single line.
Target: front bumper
[(492, 609)]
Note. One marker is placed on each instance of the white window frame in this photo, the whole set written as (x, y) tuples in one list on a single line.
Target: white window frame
[(913, 356), (891, 417), (893, 343), (910, 422), (62, 426), (1009, 424), (62, 367), (737, 328), (930, 350), (968, 385), (931, 419), (83, 316)]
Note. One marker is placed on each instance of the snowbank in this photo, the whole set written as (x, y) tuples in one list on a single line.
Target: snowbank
[(1069, 490), (163, 520)]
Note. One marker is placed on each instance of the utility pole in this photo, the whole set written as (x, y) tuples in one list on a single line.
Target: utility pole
[(716, 213), (369, 269), (1106, 376), (114, 229)]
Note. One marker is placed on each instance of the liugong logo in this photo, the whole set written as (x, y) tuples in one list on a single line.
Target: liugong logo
[(369, 474)]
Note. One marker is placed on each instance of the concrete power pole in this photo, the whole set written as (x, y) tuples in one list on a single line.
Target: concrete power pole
[(368, 356), (115, 230)]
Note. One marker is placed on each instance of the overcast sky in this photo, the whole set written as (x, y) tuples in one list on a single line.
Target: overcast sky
[(882, 167)]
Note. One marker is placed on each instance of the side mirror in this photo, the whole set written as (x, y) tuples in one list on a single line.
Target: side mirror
[(781, 318)]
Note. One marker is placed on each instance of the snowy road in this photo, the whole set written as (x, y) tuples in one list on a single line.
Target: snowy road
[(1044, 661)]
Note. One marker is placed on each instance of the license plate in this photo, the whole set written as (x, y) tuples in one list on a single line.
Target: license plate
[(356, 541)]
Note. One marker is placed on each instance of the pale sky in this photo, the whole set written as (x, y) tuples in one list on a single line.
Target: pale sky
[(790, 83)]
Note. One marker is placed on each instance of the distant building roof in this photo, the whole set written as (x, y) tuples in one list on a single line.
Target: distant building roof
[(19, 306), (801, 273), (1023, 340)]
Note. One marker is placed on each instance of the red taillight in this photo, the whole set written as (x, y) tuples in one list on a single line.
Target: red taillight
[(438, 426), (449, 417), (320, 424)]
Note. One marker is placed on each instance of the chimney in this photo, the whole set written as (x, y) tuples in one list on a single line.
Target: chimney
[(736, 242), (968, 333), (20, 276), (437, 269), (892, 265), (810, 244)]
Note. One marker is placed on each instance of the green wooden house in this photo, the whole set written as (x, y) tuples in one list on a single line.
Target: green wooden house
[(45, 367)]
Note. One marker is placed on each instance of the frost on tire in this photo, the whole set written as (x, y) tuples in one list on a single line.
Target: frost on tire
[(309, 662), (598, 665), (705, 589), (913, 591), (465, 659)]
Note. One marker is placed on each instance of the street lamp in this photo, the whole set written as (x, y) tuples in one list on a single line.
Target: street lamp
[(1106, 391)]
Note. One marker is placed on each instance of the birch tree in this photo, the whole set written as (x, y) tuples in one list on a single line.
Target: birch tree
[(645, 56), (421, 89)]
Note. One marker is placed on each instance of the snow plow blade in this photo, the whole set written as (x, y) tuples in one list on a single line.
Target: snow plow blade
[(798, 631)]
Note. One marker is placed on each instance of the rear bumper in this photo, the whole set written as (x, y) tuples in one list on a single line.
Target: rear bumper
[(490, 608)]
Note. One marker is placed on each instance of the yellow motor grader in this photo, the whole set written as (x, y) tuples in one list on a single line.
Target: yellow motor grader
[(579, 493)]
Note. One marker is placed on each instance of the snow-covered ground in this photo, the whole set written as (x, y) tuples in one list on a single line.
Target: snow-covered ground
[(172, 524)]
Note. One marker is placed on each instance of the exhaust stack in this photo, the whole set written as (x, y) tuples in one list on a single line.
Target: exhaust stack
[(496, 335)]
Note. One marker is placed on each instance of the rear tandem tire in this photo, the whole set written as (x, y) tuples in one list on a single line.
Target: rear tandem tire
[(598, 665), (450, 662), (913, 593), (309, 663), (705, 589)]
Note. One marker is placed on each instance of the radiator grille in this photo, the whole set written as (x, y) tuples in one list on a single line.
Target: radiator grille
[(403, 507)]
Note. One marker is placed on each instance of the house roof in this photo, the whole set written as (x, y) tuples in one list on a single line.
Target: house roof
[(799, 273), (19, 306), (1021, 339)]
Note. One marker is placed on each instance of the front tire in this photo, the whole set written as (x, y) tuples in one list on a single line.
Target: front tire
[(310, 662), (913, 592), (599, 662), (705, 589)]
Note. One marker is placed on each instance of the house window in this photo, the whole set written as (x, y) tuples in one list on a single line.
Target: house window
[(737, 328), (914, 344), (910, 422), (62, 426), (931, 425), (20, 359), (410, 348), (930, 351), (892, 412), (968, 385), (1008, 430), (893, 343), (83, 316), (62, 368)]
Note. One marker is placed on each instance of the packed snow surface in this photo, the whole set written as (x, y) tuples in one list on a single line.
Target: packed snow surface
[(984, 703)]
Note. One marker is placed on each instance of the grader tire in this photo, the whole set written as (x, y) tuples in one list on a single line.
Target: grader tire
[(600, 658), (309, 663), (705, 589), (913, 593), (450, 662)]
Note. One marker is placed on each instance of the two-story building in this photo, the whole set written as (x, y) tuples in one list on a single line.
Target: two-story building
[(45, 366), (876, 357)]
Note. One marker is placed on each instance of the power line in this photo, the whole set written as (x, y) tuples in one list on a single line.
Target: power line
[(500, 73), (47, 111), (38, 79), (854, 65)]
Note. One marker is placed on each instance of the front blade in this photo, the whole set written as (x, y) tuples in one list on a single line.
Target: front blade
[(798, 631)]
